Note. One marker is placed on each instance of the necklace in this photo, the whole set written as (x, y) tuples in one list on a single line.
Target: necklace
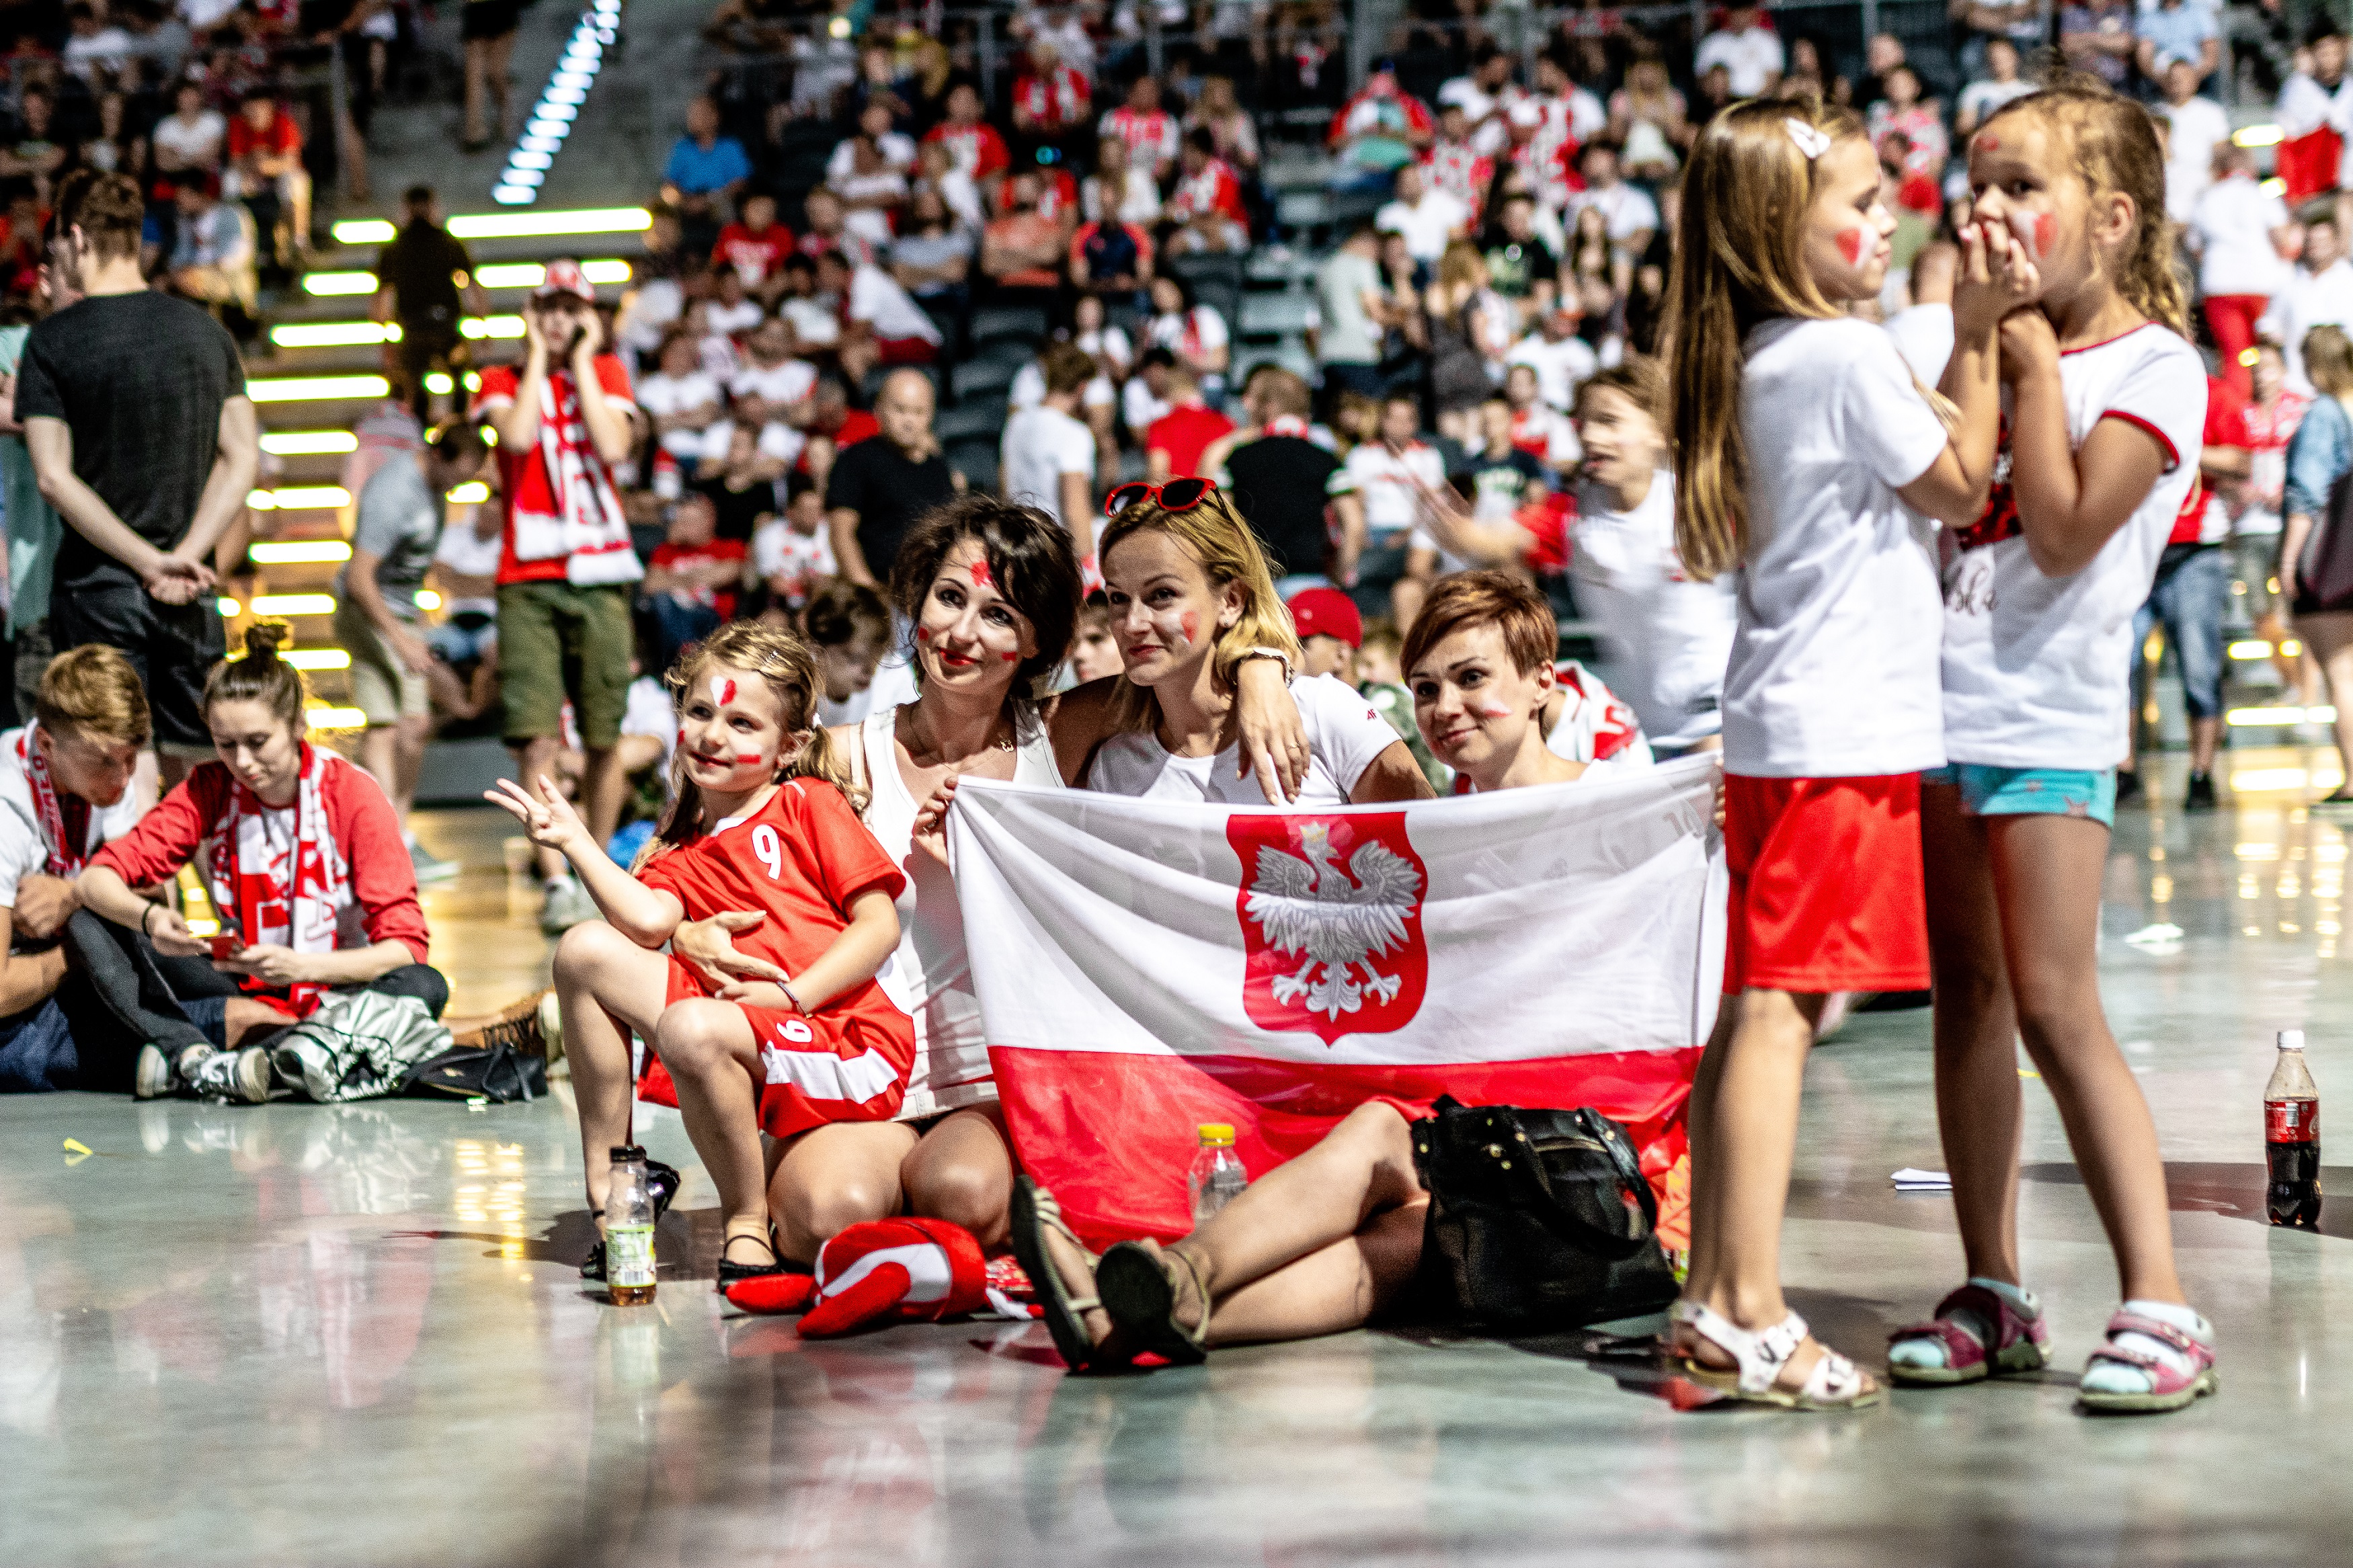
[(931, 748)]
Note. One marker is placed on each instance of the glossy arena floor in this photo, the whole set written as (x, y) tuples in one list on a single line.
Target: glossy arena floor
[(299, 1335)]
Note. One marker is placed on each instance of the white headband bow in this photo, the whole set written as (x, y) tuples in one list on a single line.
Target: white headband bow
[(1811, 142)]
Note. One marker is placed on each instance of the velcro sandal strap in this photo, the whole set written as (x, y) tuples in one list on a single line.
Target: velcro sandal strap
[(1759, 1355), (2189, 1344), (1962, 1347), (1834, 1380)]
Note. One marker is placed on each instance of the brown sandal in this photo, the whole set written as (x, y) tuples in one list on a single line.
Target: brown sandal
[(1034, 1212), (1140, 1286)]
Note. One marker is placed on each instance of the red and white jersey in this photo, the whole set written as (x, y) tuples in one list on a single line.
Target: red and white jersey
[(1595, 727), (1054, 100), (1379, 110), (2269, 430), (801, 858), (1546, 434), (1461, 172), (1551, 170), (1058, 195), (1556, 140), (1213, 189), (979, 151), (1151, 139)]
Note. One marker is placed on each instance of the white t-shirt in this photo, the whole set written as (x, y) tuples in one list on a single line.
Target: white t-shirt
[(2305, 301), (22, 852), (1386, 481), (811, 322), (662, 395), (1137, 407), (659, 303), (201, 142), (1984, 97), (1668, 634), (1561, 366), (1833, 670), (876, 299), (1344, 736), (648, 711), (1626, 210), (733, 321), (1427, 224), (1749, 59), (1924, 336), (1040, 445), (779, 550), (2197, 126), (1028, 388), (1182, 332), (2037, 670), (788, 381), (2232, 225)]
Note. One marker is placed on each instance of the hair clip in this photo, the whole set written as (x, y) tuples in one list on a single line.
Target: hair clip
[(1813, 143)]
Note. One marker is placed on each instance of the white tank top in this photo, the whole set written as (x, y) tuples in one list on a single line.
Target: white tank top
[(930, 975)]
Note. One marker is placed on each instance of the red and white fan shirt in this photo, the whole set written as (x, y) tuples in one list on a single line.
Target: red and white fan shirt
[(1054, 101), (565, 522), (979, 151), (1151, 138), (1461, 172), (1215, 189)]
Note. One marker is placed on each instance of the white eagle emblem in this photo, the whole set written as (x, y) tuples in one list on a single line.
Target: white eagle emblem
[(1339, 919)]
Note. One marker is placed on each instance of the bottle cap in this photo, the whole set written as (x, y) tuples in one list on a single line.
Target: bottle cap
[(2291, 1039), (1217, 1135), (625, 1151)]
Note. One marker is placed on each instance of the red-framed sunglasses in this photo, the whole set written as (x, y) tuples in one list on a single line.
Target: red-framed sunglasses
[(1176, 495)]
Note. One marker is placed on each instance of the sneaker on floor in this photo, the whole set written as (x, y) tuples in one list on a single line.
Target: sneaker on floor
[(2127, 785), (431, 868), (241, 1076), (155, 1077), (568, 904), (2201, 796)]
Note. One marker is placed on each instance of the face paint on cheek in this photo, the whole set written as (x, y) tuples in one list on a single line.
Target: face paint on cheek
[(1491, 710), (1854, 244), (1010, 657), (2046, 234), (1989, 142), (922, 634), (1191, 623)]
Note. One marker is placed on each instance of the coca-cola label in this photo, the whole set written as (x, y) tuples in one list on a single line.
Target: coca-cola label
[(2291, 1121)]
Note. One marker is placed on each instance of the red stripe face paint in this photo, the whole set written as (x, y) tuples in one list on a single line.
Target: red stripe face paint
[(1010, 657), (1854, 245), (1989, 142), (2035, 232), (746, 759)]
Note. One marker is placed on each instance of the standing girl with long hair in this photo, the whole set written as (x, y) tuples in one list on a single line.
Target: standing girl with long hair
[(763, 817), (2108, 404), (1807, 457)]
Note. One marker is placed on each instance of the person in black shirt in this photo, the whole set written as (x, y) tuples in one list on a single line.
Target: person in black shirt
[(424, 278), (1520, 266), (881, 485), (1283, 484), (744, 490), (142, 438)]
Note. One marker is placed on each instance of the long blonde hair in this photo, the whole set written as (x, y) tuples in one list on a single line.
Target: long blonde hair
[(784, 662), (1746, 194), (2113, 144), (1228, 552)]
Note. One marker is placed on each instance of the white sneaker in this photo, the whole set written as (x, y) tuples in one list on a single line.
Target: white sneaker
[(241, 1076), (154, 1076), (431, 868), (568, 904)]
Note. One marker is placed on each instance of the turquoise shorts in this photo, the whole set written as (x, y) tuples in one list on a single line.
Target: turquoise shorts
[(2031, 791)]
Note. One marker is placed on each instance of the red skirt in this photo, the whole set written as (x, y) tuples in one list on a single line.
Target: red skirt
[(1826, 885)]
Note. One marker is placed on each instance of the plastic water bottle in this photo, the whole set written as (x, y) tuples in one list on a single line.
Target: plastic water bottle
[(2292, 1137), (630, 1230), (1217, 1177)]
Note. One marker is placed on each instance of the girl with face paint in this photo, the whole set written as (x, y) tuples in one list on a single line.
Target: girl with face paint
[(763, 821), (1808, 457), (2106, 404)]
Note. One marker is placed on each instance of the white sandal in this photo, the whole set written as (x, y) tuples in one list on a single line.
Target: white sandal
[(1835, 1383)]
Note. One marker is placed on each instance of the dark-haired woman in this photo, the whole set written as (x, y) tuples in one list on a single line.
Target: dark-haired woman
[(991, 591), (304, 861)]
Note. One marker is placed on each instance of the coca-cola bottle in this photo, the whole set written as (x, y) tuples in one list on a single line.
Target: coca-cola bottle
[(2292, 1137)]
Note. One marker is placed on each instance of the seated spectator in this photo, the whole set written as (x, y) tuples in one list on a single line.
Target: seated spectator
[(1110, 262), (2312, 144), (303, 857), (377, 618), (936, 174), (2018, 23), (1903, 113), (933, 261), (1051, 101), (192, 138), (1483, 95), (880, 325), (692, 579), (1999, 85), (1149, 132), (683, 401), (2175, 30), (704, 170), (812, 326), (1047, 456), (1558, 356), (265, 169), (2193, 128), (2319, 293), (1119, 191), (1391, 473), (741, 488), (658, 304), (463, 679), (1649, 121), (1145, 399), (848, 626), (1454, 166), (768, 395), (1021, 250), (1218, 112), (731, 312), (1542, 431), (2096, 36), (1196, 333), (868, 173), (980, 153), (1206, 203), (1377, 131), (1460, 308), (1427, 218), (827, 231), (1747, 49), (1632, 217), (213, 261), (1497, 478), (791, 555), (754, 246), (1173, 446)]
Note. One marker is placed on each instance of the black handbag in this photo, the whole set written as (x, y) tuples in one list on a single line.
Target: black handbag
[(1539, 1220), (498, 1073)]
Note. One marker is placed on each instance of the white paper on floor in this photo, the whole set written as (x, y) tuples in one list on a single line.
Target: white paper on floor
[(2164, 933), (1911, 1179)]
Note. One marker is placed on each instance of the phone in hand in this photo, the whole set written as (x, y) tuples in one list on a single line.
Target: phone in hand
[(225, 945)]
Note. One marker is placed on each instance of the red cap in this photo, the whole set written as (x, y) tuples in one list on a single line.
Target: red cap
[(564, 277), (1326, 613)]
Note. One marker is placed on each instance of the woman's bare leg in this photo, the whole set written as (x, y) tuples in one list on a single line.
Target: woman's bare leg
[(1332, 1289), (2328, 638), (962, 1172), (1979, 1110), (830, 1178), (601, 975), (2046, 872), (714, 1058)]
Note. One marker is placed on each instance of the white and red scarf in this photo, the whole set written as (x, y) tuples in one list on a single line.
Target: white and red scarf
[(587, 530), (65, 820), (277, 871)]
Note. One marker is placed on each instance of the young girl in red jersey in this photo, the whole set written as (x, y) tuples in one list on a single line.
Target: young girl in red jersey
[(2108, 404), (1809, 458), (765, 819)]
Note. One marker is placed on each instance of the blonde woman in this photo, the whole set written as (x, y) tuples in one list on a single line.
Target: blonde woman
[(2317, 458)]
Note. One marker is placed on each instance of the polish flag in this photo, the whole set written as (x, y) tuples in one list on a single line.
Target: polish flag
[(1146, 966)]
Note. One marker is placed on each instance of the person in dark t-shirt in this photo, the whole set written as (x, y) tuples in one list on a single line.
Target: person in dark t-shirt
[(425, 280), (879, 487), (141, 437), (1282, 483)]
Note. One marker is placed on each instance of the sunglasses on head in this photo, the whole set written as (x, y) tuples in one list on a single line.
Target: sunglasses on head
[(1176, 495)]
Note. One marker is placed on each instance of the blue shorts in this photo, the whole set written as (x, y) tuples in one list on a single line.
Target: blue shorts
[(2031, 791)]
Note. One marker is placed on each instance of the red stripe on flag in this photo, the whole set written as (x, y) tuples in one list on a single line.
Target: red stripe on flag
[(1113, 1133)]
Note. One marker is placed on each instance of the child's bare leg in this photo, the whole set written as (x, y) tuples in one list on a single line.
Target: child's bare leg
[(1698, 1122), (600, 973), (830, 1178), (1979, 1106), (962, 1172), (713, 1057), (2046, 871)]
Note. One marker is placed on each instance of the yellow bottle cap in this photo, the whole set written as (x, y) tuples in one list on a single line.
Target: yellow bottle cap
[(1217, 1135)]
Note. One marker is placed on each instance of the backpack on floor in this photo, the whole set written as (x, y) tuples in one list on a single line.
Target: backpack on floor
[(357, 1044), (496, 1072)]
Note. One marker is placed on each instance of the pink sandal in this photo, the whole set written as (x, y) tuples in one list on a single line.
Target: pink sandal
[(2170, 1387), (2020, 1343)]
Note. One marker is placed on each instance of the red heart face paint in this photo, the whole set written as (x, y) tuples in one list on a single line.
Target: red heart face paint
[(1191, 622), (1854, 245), (980, 577)]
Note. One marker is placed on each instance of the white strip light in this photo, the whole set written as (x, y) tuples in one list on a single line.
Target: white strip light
[(551, 119)]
